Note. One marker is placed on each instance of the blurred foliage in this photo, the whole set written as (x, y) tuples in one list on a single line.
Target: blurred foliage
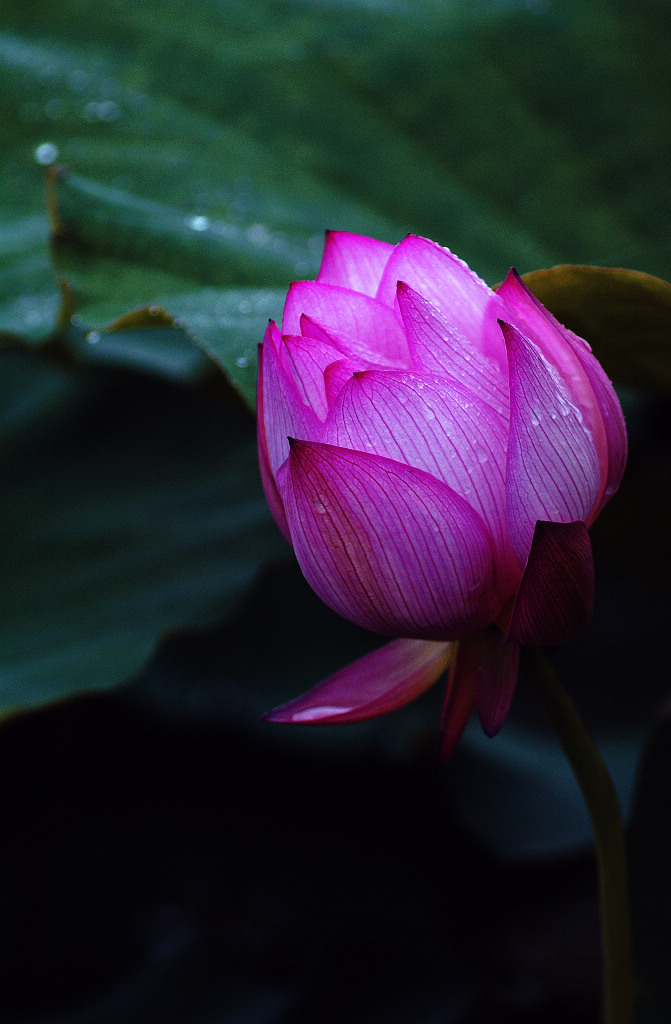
[(192, 159)]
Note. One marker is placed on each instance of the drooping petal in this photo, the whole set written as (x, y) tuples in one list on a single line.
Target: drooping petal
[(381, 681), (492, 665), (449, 285), (432, 424), (483, 674), (553, 470), (267, 476), (436, 346), (353, 318), (353, 261), (285, 414), (555, 596), (457, 707), (386, 545)]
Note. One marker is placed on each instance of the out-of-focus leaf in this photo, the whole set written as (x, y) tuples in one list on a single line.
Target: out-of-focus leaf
[(210, 152), (138, 509), (518, 796), (624, 314)]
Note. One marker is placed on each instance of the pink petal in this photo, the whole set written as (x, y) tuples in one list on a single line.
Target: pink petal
[(436, 346), (483, 672), (492, 665), (386, 545), (465, 301), (529, 313), (353, 261), (571, 357), (457, 707), (379, 682), (339, 374), (307, 359), (613, 422), (267, 476), (532, 312), (554, 599), (553, 466), (432, 424), (355, 320), (284, 411)]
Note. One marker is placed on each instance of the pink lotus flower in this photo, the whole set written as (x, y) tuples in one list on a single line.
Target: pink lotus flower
[(435, 453)]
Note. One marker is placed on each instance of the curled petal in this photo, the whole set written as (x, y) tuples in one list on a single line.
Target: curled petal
[(353, 261), (449, 285), (554, 471), (285, 414), (358, 322), (436, 346), (554, 598), (381, 681), (386, 545)]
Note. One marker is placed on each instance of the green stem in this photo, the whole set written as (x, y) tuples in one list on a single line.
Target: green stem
[(604, 811)]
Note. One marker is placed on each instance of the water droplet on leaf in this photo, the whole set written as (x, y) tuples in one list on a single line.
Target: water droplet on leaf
[(46, 153)]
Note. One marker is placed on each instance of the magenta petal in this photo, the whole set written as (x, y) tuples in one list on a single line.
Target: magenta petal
[(346, 315), (386, 545), (308, 358), (590, 384), (430, 423), (554, 598), (613, 422), (492, 666), (457, 706), (483, 673), (451, 287), (436, 346), (353, 261), (554, 471), (285, 414), (379, 682), (267, 476)]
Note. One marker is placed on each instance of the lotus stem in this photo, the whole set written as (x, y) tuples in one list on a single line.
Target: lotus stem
[(608, 834)]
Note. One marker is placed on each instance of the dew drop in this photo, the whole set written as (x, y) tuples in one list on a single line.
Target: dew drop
[(93, 337), (242, 362), (198, 222), (46, 153)]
